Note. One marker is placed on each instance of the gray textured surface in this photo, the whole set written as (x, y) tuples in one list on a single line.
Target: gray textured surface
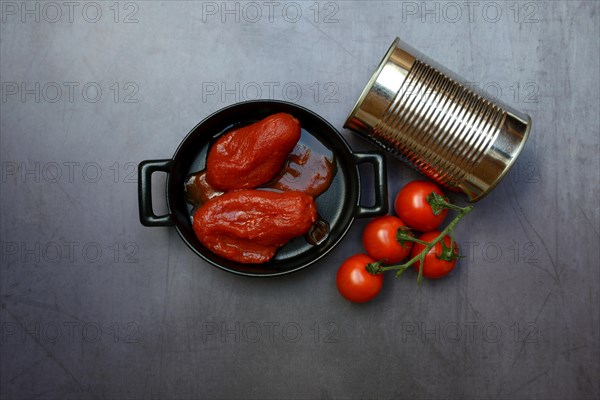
[(146, 318)]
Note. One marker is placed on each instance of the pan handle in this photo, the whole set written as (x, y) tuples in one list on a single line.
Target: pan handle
[(145, 171), (380, 207)]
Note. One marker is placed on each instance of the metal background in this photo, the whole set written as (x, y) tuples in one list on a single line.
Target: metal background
[(94, 305)]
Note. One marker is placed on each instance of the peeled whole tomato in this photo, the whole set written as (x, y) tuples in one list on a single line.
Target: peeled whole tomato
[(253, 155), (249, 226)]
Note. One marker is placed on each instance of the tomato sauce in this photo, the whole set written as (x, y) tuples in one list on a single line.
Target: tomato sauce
[(198, 190), (305, 170)]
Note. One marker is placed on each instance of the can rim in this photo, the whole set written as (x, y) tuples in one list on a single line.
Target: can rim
[(371, 82), (510, 164)]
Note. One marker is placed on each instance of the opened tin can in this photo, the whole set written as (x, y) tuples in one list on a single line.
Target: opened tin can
[(431, 119)]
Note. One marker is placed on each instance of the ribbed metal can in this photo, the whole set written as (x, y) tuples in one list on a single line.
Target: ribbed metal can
[(434, 121)]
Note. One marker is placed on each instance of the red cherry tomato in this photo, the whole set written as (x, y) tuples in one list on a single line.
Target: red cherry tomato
[(412, 207), (355, 283), (434, 267), (379, 240)]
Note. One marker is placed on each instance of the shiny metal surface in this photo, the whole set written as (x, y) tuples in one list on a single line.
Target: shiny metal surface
[(428, 117)]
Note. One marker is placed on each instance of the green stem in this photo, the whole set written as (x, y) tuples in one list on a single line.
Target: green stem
[(415, 240), (440, 203)]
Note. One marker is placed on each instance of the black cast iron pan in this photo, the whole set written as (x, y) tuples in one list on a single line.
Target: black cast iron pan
[(339, 205)]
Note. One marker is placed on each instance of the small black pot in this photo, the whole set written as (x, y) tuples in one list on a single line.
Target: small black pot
[(338, 205)]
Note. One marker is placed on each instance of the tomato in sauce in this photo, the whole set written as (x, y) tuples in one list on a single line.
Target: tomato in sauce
[(249, 226)]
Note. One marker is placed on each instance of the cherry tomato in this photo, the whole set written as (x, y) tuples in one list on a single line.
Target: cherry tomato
[(412, 207), (435, 267), (379, 240), (355, 283)]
